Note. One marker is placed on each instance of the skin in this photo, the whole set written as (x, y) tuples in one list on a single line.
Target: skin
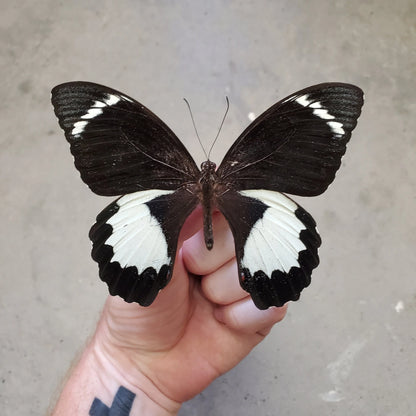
[(197, 329)]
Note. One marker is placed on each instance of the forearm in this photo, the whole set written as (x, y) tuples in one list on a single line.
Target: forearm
[(100, 381)]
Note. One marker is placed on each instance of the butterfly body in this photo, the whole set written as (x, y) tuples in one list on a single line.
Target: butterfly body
[(209, 189), (121, 148)]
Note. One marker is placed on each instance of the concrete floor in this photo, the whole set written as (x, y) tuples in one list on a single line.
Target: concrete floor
[(348, 346)]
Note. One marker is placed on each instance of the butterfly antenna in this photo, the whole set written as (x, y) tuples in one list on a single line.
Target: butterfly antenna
[(222, 122), (196, 131)]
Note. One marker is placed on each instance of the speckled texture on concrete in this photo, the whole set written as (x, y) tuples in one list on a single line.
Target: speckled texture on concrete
[(348, 347)]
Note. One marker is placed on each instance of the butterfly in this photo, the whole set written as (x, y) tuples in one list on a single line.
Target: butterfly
[(122, 148)]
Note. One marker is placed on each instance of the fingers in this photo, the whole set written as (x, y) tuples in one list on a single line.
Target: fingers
[(222, 286), (243, 316), (220, 283), (235, 307), (198, 259)]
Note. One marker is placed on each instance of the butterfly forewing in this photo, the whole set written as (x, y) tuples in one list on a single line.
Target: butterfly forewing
[(297, 144), (119, 146)]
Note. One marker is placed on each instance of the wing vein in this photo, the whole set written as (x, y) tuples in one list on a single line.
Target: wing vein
[(153, 158)]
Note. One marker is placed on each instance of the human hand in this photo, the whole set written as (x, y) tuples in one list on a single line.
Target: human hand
[(198, 327)]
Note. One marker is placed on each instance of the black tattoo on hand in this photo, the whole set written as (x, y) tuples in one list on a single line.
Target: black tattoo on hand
[(121, 406)]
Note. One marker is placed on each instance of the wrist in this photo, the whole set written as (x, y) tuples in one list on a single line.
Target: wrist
[(105, 378), (115, 368)]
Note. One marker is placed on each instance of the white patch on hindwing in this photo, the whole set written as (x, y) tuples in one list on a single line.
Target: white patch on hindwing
[(94, 111), (137, 238), (322, 113), (273, 242)]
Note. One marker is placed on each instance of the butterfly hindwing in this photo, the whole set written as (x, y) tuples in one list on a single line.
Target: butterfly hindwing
[(297, 144), (119, 146), (135, 240), (276, 244)]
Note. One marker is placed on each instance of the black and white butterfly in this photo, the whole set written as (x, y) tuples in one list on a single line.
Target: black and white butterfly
[(122, 148)]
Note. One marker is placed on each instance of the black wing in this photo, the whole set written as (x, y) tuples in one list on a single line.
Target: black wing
[(276, 244), (135, 240), (297, 144), (119, 145)]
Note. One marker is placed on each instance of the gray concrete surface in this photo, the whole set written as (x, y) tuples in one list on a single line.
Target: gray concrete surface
[(348, 346)]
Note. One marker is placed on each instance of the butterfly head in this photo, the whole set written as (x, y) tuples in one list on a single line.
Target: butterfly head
[(208, 167)]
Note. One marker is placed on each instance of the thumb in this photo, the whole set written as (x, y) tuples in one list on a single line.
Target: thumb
[(176, 292)]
